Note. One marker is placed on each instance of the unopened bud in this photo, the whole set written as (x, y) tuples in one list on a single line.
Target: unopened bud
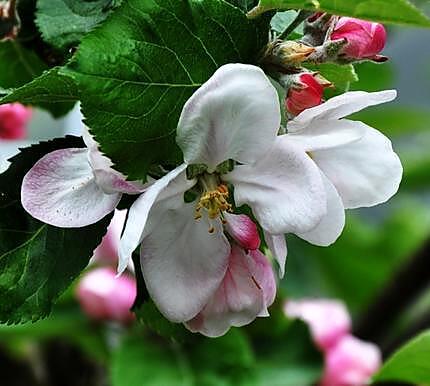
[(365, 39), (305, 92), (287, 54), (13, 120)]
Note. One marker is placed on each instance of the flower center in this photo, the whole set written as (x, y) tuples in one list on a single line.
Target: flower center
[(214, 198)]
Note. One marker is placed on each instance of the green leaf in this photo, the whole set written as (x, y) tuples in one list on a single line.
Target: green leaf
[(63, 23), (37, 261), (18, 65), (140, 361), (383, 11), (137, 70), (290, 360), (410, 363), (51, 90), (340, 75)]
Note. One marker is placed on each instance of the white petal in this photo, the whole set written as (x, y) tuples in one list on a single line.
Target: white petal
[(365, 173), (332, 224), (278, 247), (341, 106), (182, 263), (172, 184), (247, 290), (60, 190), (284, 189), (234, 115), (327, 134)]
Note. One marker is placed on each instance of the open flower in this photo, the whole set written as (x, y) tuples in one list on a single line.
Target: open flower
[(74, 187), (233, 120), (358, 165)]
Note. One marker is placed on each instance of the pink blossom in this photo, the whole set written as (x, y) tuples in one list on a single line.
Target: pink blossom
[(351, 362), (365, 39), (328, 320), (246, 291), (13, 120), (107, 251), (306, 92), (243, 230), (103, 296)]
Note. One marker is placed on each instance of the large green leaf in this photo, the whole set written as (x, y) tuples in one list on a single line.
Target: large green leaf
[(411, 363), (63, 23), (137, 70), (384, 11), (140, 361), (37, 261), (51, 90)]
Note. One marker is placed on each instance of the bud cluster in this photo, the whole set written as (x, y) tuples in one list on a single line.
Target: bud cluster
[(327, 38)]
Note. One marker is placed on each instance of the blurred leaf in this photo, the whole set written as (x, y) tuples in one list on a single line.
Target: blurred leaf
[(411, 363), (282, 20), (139, 67), (37, 261), (63, 23), (143, 362), (52, 91), (244, 5), (362, 259), (373, 76), (290, 361), (18, 65), (383, 11), (395, 120)]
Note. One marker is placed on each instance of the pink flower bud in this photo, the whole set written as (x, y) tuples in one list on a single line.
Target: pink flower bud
[(243, 230), (364, 39), (103, 296), (107, 251), (328, 320), (307, 91), (13, 121), (351, 362)]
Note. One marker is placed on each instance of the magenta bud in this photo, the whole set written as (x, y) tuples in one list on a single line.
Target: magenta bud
[(365, 39), (13, 121), (105, 297)]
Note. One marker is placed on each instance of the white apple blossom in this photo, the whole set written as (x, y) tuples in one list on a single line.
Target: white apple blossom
[(185, 253), (357, 163), (74, 187)]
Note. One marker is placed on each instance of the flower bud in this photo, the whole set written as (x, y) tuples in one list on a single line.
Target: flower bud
[(105, 297), (306, 91), (287, 54), (328, 320), (13, 120), (365, 39), (351, 363)]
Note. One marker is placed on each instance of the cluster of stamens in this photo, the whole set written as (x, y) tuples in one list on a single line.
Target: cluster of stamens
[(215, 202)]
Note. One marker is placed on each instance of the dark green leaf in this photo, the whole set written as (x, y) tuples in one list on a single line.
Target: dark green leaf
[(137, 70), (140, 361), (63, 23), (384, 11), (37, 261), (410, 363), (52, 91)]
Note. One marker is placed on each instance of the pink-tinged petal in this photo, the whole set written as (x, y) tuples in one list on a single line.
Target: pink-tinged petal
[(332, 224), (173, 184), (365, 173), (243, 230), (351, 362), (328, 134), (105, 297), (340, 106), (234, 115), (107, 251), (106, 177), (328, 320), (183, 263), (13, 120), (247, 289), (60, 190), (278, 247), (284, 189)]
